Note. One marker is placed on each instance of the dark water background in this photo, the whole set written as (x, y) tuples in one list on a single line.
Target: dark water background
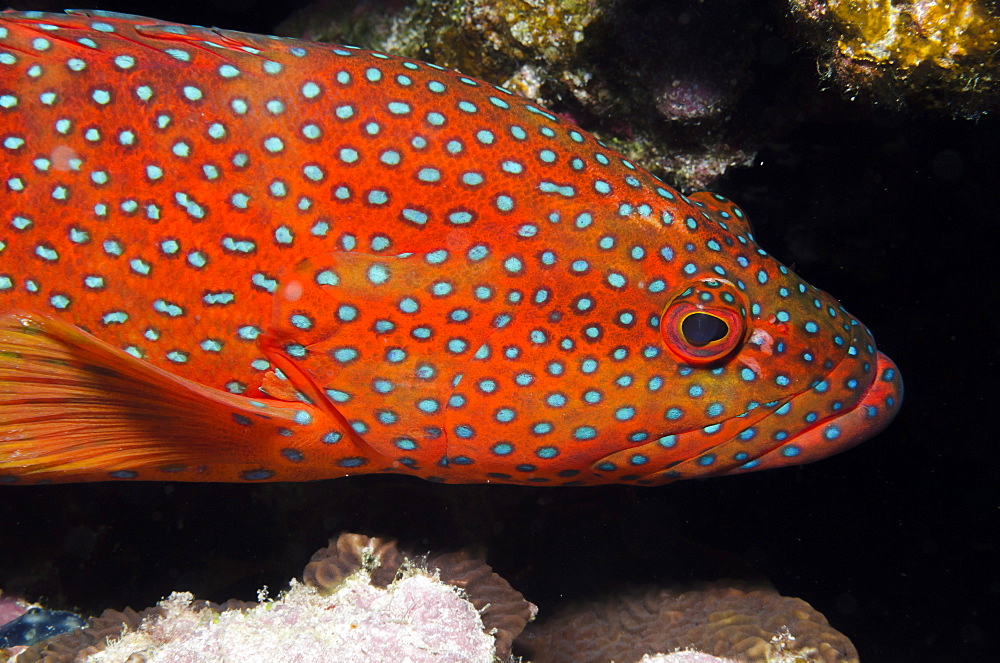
[(894, 541)]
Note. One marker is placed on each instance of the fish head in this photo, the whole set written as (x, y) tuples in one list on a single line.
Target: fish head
[(718, 359)]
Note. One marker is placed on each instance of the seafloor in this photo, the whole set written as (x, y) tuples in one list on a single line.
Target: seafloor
[(894, 211)]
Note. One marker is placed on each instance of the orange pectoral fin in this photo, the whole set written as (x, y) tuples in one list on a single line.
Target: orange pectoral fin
[(73, 408)]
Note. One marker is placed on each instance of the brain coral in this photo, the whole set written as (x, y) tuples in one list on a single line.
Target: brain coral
[(755, 626)]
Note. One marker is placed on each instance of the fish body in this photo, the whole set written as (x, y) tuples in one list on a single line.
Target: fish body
[(227, 257)]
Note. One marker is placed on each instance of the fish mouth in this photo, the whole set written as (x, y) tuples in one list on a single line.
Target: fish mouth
[(872, 412), (858, 398)]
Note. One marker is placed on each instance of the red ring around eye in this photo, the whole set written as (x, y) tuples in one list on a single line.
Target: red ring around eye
[(705, 323)]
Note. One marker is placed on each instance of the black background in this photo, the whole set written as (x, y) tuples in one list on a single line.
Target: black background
[(894, 541)]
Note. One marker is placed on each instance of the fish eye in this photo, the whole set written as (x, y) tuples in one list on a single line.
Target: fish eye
[(705, 323), (700, 329)]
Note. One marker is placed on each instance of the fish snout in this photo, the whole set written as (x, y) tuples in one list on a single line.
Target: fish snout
[(849, 426)]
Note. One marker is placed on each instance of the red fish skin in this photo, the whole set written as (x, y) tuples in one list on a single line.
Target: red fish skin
[(397, 268)]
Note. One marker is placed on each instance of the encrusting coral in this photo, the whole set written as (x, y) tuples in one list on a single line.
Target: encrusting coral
[(933, 54), (417, 617)]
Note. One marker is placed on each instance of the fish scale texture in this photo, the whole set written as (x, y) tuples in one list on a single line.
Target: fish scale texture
[(228, 257)]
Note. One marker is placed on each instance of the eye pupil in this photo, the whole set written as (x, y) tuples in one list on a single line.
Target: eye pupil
[(700, 329)]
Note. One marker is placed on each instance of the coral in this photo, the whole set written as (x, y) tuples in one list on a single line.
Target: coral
[(756, 626), (417, 617), (934, 54), (363, 599), (78, 645), (685, 656), (330, 566), (11, 608), (503, 609), (482, 38)]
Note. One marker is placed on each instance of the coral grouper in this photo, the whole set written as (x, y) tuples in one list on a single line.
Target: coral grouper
[(226, 257)]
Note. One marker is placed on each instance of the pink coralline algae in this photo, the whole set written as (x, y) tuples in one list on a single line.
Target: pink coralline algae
[(417, 618), (686, 656), (11, 608), (362, 599)]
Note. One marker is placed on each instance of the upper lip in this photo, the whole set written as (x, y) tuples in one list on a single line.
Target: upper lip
[(846, 406)]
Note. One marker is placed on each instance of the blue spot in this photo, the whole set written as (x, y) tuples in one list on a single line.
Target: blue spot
[(338, 396), (429, 175), (378, 197), (242, 420), (625, 413), (293, 455), (414, 216), (541, 428), (667, 441)]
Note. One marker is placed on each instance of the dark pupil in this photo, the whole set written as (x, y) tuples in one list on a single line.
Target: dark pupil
[(700, 329)]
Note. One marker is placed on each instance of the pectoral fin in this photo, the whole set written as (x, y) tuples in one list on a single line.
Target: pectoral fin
[(73, 408)]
